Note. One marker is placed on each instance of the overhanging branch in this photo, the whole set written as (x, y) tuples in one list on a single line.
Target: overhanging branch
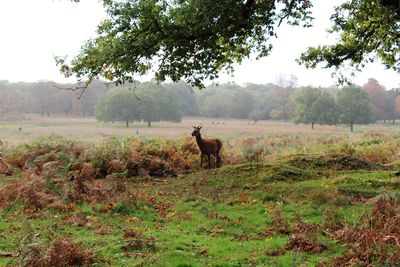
[(76, 88)]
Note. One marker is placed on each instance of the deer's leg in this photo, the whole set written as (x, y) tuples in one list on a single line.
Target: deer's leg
[(218, 160), (209, 160), (201, 160)]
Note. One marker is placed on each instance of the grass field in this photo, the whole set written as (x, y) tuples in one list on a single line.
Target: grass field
[(88, 129), (286, 195)]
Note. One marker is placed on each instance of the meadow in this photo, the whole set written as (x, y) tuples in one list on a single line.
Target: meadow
[(77, 192), (88, 129)]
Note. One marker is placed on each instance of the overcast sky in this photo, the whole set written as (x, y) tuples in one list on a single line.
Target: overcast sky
[(32, 32)]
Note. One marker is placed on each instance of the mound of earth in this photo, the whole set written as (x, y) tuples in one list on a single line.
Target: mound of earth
[(297, 167), (266, 172), (333, 161)]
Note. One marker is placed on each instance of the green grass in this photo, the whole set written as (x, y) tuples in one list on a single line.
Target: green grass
[(217, 217), (214, 217)]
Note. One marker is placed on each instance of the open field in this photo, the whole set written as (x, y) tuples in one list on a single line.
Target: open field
[(286, 195), (88, 129)]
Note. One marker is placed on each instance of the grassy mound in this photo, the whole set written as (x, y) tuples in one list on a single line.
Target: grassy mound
[(338, 162), (103, 205), (266, 172), (298, 167), (58, 173)]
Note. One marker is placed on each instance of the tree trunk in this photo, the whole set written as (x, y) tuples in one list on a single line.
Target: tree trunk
[(149, 124), (127, 124), (351, 126), (312, 125)]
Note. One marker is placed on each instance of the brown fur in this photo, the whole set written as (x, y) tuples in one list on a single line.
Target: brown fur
[(207, 147)]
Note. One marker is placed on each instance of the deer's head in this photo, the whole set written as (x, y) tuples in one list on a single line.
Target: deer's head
[(196, 131)]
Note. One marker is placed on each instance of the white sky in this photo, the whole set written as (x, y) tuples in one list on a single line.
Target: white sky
[(32, 32)]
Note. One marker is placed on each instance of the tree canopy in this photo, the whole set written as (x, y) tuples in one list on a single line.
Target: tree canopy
[(312, 106), (182, 40), (354, 105), (149, 102), (368, 30), (196, 39), (378, 95), (171, 101)]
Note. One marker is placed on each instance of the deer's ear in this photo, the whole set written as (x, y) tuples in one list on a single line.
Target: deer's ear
[(194, 127), (199, 127)]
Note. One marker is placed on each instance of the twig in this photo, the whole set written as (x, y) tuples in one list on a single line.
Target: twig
[(134, 91), (70, 88), (73, 89), (7, 254), (83, 91)]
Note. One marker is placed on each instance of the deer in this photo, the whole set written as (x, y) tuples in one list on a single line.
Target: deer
[(207, 147)]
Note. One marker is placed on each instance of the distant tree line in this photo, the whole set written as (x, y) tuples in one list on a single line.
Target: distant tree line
[(46, 98), (351, 105), (283, 101), (150, 102)]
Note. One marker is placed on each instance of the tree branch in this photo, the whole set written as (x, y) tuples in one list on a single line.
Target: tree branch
[(248, 8), (73, 89), (290, 7)]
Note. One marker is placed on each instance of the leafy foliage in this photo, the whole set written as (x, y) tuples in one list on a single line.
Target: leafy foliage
[(390, 105), (47, 98), (313, 106), (149, 102), (172, 100), (355, 106), (377, 94), (188, 98), (368, 31), (190, 40)]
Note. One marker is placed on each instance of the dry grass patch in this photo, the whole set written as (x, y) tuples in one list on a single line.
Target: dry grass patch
[(375, 241), (62, 252)]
